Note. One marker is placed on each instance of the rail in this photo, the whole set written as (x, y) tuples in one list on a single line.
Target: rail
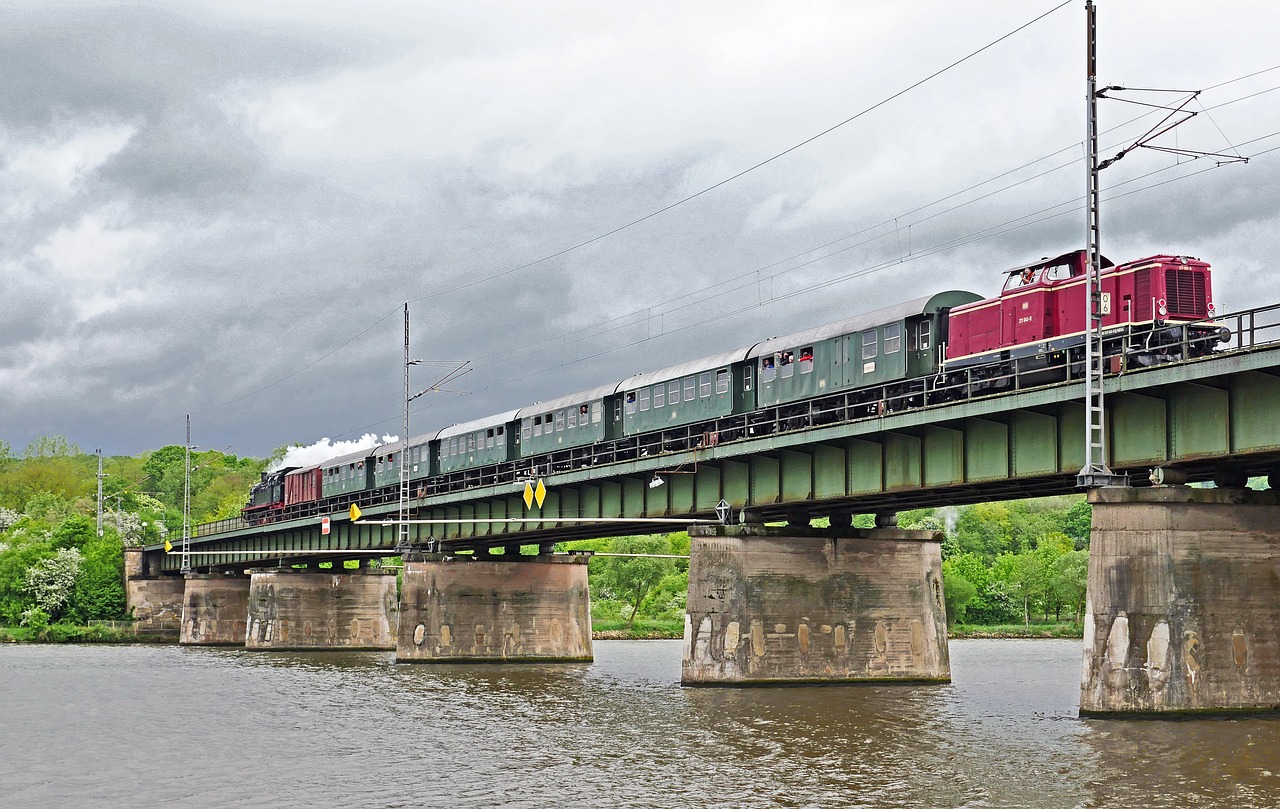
[(1178, 343)]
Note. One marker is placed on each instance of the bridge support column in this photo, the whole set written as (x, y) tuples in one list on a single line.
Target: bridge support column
[(1183, 602), (215, 610), (526, 608), (353, 609), (789, 605), (154, 600)]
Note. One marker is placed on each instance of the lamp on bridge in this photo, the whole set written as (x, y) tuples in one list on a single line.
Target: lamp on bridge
[(656, 482)]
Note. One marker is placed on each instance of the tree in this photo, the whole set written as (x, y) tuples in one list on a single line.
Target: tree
[(1071, 580), (985, 529), (51, 582), (630, 579), (51, 446), (1078, 523), (958, 592)]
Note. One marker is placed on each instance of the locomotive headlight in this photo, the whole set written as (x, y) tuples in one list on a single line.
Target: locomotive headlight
[(1212, 310), (1160, 307)]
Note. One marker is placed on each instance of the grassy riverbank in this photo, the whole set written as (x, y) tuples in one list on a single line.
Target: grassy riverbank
[(657, 630), (115, 632)]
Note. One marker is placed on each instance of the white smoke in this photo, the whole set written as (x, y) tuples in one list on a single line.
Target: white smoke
[(949, 515), (324, 449)]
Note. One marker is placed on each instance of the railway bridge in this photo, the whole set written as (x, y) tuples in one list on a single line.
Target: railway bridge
[(1184, 582)]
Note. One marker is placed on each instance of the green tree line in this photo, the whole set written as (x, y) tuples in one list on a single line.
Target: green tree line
[(54, 566)]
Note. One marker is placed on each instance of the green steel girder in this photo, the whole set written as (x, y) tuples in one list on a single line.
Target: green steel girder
[(1197, 416)]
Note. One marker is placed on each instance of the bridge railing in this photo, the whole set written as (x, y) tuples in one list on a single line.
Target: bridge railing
[(1248, 329)]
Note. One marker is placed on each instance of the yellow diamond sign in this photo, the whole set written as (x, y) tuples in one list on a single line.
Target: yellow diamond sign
[(540, 493), (355, 512), (528, 494)]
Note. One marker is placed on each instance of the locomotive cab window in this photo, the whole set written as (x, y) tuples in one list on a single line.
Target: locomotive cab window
[(1059, 273), (806, 360), (870, 345)]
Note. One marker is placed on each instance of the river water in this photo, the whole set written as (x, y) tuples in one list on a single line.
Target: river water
[(141, 726)]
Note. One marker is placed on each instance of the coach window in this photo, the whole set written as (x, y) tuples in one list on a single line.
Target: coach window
[(673, 392), (583, 414), (526, 429), (644, 399), (597, 412), (537, 425), (704, 384), (559, 421), (631, 402), (806, 360), (571, 417), (786, 364), (690, 389), (659, 395), (471, 443), (893, 338), (768, 370), (870, 345), (488, 439), (746, 377), (722, 381), (617, 410)]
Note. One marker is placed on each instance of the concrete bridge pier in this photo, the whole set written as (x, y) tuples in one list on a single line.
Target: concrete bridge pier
[(779, 605), (492, 610), (1183, 604), (311, 609), (215, 610)]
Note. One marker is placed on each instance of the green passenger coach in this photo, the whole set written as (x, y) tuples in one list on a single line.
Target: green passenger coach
[(476, 443), (877, 348), (576, 420), (696, 391)]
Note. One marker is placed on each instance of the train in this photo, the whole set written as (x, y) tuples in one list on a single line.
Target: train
[(934, 349)]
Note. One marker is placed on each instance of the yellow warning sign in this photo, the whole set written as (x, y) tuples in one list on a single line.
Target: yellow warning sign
[(528, 494), (355, 512), (168, 546), (540, 493)]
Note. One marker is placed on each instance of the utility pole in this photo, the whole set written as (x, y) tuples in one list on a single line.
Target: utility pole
[(100, 476), (1095, 471), (186, 503), (402, 542)]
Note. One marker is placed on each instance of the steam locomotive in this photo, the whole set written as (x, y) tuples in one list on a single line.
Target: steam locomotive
[(934, 349)]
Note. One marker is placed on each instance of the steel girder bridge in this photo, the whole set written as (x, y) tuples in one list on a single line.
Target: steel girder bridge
[(1211, 418)]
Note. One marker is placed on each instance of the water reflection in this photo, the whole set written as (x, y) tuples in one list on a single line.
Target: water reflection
[(146, 726)]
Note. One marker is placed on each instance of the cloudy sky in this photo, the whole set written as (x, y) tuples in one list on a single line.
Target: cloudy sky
[(220, 208)]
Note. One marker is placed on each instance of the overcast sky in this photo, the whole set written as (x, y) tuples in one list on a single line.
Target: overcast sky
[(219, 208)]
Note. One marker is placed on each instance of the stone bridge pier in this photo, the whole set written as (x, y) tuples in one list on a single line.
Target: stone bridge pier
[(504, 609), (215, 610), (1184, 602), (803, 605), (321, 609)]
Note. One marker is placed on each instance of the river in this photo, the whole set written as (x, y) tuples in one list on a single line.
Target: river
[(142, 726)]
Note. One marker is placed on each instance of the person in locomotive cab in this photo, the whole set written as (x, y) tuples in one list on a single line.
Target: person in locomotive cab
[(1028, 275)]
